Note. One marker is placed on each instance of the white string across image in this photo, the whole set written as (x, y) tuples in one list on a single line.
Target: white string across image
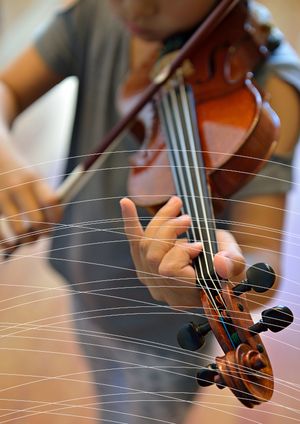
[(97, 347)]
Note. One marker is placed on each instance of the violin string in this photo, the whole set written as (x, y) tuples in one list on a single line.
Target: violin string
[(172, 131), (180, 167), (191, 207), (189, 195), (188, 103), (201, 184), (174, 157), (200, 178), (207, 209), (186, 165), (188, 109)]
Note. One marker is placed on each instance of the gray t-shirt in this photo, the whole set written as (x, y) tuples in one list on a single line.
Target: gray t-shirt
[(89, 247)]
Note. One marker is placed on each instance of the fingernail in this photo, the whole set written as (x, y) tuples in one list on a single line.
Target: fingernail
[(183, 218), (197, 245), (122, 206), (174, 199)]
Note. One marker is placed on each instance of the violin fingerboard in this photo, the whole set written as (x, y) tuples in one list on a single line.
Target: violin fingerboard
[(177, 112)]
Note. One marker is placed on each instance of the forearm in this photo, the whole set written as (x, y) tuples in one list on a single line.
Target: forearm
[(9, 110), (22, 83), (26, 201)]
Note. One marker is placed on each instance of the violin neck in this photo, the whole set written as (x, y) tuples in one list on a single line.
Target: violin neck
[(178, 116)]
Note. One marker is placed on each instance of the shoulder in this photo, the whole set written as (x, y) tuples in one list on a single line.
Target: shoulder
[(283, 62), (92, 20), (83, 5), (94, 9), (83, 14)]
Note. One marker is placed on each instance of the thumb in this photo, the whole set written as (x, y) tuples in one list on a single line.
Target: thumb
[(229, 264)]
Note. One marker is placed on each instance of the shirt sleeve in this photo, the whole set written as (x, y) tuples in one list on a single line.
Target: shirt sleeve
[(63, 41)]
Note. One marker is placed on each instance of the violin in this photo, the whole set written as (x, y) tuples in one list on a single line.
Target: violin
[(210, 130)]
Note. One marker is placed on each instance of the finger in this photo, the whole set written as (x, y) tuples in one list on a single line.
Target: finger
[(170, 210), (177, 266), (132, 226), (22, 240), (6, 234), (229, 261), (184, 298), (165, 238), (53, 212), (27, 202), (13, 218), (10, 241), (177, 262), (49, 203), (226, 241), (228, 264)]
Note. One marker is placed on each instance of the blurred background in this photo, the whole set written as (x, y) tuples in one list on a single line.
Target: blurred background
[(43, 377)]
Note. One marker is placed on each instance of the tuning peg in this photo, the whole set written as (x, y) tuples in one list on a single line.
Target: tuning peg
[(209, 375), (260, 278), (274, 319), (191, 336)]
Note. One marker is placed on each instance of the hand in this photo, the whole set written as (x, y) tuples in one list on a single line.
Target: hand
[(28, 205), (164, 263)]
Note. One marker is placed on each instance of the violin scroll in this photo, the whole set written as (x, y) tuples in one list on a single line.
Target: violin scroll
[(245, 368)]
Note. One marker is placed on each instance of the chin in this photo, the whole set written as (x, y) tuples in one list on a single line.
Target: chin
[(149, 37)]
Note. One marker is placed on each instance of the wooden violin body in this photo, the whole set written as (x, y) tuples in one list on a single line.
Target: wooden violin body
[(237, 137), (236, 125)]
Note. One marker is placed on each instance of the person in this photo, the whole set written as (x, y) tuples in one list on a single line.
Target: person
[(125, 324)]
